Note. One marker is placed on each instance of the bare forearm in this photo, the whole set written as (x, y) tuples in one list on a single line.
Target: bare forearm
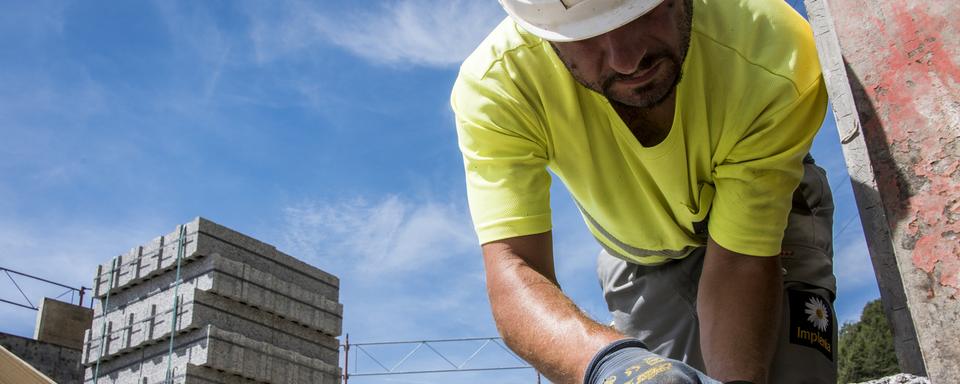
[(739, 309), (539, 322)]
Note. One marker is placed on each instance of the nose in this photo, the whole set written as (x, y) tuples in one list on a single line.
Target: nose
[(623, 51)]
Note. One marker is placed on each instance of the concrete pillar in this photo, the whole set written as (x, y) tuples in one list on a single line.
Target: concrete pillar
[(891, 67), (62, 323)]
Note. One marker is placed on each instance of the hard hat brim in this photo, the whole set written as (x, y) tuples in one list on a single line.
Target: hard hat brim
[(587, 20)]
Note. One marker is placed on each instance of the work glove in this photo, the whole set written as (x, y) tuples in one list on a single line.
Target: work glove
[(628, 361)]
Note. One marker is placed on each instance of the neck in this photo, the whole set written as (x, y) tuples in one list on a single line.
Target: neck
[(649, 125)]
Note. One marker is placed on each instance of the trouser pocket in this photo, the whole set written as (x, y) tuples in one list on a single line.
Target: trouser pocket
[(807, 342)]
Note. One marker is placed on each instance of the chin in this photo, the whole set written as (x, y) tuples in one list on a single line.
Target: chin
[(646, 97)]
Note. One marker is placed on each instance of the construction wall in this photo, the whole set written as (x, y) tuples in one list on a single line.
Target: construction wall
[(892, 70), (59, 363)]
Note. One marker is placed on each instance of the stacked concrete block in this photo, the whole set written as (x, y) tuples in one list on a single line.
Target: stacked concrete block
[(244, 312)]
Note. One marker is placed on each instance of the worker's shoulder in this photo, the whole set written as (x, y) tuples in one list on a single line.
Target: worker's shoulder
[(506, 43), (767, 37)]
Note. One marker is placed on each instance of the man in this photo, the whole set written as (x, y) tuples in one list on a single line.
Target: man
[(681, 129)]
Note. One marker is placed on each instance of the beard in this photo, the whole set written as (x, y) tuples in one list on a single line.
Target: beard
[(648, 95), (660, 88)]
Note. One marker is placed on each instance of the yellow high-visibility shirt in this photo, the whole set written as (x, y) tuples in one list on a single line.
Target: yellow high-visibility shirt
[(750, 101)]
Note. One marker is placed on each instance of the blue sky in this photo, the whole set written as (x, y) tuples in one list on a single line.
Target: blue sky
[(320, 127)]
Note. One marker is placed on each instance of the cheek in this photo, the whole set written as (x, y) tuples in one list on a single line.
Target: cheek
[(584, 62), (664, 24)]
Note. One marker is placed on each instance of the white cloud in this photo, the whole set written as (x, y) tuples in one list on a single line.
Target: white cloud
[(391, 235), (408, 270), (419, 32)]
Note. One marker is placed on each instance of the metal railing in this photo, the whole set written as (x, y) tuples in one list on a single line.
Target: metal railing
[(72, 291), (417, 349)]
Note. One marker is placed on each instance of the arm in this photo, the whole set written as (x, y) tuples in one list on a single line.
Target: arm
[(534, 317), (739, 309)]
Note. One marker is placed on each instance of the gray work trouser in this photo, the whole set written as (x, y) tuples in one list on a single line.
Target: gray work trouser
[(657, 304)]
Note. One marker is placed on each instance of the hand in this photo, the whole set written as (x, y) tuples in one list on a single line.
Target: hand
[(628, 361)]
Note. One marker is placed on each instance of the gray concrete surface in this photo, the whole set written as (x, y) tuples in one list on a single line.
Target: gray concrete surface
[(59, 363), (128, 330), (205, 238), (902, 378), (891, 70), (144, 314), (62, 323), (234, 358)]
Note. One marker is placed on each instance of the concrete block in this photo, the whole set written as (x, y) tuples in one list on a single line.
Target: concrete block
[(202, 237), (149, 364), (258, 325), (233, 357), (205, 375), (255, 246), (143, 262), (62, 323), (299, 274), (260, 356), (244, 312), (199, 374), (137, 319), (148, 319)]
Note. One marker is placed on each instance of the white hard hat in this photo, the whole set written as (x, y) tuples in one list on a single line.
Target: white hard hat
[(570, 20)]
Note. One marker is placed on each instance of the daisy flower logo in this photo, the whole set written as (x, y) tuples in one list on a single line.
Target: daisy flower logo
[(817, 314)]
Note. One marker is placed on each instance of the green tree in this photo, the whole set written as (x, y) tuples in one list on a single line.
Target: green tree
[(866, 347)]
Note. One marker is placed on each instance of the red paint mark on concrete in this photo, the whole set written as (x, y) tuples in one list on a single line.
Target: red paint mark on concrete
[(912, 80), (926, 62), (939, 233), (924, 44)]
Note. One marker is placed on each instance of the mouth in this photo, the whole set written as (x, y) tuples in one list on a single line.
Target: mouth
[(642, 77)]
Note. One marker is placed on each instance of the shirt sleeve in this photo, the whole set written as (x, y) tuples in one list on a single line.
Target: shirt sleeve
[(504, 156), (756, 180)]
